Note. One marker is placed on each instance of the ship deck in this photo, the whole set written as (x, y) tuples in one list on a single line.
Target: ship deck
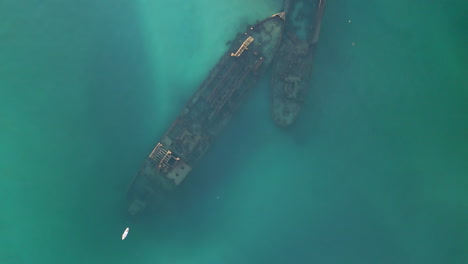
[(207, 112)]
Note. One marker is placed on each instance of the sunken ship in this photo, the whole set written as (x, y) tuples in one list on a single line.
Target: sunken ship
[(206, 113), (293, 64)]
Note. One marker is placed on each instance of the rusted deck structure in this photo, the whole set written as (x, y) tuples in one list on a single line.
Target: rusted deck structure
[(206, 113)]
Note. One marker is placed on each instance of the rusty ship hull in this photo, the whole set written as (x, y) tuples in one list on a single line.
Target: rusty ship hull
[(206, 114), (292, 68)]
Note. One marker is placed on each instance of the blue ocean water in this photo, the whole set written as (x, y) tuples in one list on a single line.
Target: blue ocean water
[(375, 170)]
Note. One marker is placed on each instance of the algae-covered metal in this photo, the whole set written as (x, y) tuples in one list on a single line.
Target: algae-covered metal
[(206, 113), (293, 65)]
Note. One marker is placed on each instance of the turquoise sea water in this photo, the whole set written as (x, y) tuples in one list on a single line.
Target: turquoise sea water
[(375, 170)]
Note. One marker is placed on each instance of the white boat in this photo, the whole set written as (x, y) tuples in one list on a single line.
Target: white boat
[(125, 233)]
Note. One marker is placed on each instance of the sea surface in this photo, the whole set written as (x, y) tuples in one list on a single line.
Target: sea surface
[(374, 171)]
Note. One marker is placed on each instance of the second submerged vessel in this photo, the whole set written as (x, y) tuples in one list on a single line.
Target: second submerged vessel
[(293, 65)]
